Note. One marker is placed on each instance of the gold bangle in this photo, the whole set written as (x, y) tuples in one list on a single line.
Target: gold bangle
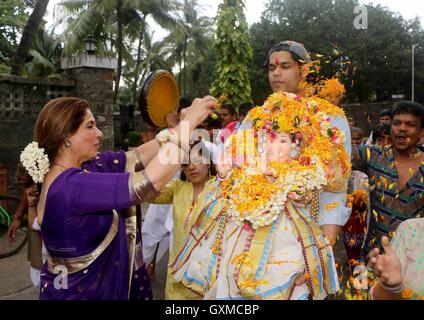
[(141, 188)]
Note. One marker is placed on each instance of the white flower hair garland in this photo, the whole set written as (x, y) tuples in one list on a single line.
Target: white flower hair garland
[(35, 161)]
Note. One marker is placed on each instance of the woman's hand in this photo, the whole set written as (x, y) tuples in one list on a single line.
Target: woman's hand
[(223, 165), (32, 195), (172, 119), (14, 226), (198, 111), (387, 265)]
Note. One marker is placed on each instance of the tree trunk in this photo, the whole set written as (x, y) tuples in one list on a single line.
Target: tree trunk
[(134, 90), (185, 66), (120, 44), (28, 35)]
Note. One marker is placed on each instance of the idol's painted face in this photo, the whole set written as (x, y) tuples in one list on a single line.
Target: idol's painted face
[(86, 141), (284, 72), (279, 147)]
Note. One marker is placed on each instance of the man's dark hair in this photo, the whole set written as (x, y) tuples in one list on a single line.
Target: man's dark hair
[(231, 109), (212, 123), (380, 131), (297, 51), (385, 113), (185, 102), (409, 107), (245, 108)]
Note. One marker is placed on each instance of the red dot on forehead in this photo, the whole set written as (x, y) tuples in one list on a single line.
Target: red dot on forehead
[(277, 61)]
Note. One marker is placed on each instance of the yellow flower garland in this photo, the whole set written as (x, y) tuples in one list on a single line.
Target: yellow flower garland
[(252, 197)]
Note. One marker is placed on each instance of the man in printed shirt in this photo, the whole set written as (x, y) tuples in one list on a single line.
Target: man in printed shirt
[(284, 62), (396, 175)]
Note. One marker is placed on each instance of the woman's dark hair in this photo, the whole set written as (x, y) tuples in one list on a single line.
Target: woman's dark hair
[(409, 107), (231, 109), (245, 108), (208, 155), (380, 131), (58, 119), (24, 179), (212, 123)]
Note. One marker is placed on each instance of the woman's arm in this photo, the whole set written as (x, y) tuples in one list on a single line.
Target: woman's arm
[(139, 158), (388, 268), (175, 145), (32, 195), (17, 218)]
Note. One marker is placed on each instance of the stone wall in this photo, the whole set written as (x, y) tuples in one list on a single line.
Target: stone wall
[(366, 115), (94, 77), (88, 77), (20, 102)]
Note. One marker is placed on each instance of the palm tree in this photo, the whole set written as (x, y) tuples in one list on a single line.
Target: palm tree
[(46, 52), (191, 37), (137, 31), (109, 19), (151, 56), (28, 35)]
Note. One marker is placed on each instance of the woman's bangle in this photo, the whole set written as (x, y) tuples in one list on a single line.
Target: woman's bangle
[(394, 290), (32, 206), (170, 136)]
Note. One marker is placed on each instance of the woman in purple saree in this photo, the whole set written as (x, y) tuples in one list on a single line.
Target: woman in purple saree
[(85, 209)]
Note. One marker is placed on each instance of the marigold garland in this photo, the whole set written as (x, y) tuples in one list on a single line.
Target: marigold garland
[(252, 197)]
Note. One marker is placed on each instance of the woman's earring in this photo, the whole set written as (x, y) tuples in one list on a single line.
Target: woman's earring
[(68, 143)]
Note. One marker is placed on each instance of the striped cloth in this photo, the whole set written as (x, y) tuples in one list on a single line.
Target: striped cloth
[(389, 205)]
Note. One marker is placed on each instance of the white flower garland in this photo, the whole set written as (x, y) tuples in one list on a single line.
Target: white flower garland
[(35, 161), (308, 180)]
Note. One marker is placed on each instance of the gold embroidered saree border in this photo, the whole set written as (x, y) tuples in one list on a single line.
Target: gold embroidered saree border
[(77, 264)]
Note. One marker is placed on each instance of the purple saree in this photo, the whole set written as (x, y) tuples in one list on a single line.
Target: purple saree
[(87, 238)]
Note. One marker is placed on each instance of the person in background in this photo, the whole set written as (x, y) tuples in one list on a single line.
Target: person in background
[(421, 143), (228, 115), (27, 206), (186, 196), (357, 136), (385, 118), (399, 265), (148, 133), (228, 121), (396, 175), (155, 231), (173, 118), (244, 110), (381, 135)]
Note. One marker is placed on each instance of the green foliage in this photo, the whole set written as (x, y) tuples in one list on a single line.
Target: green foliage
[(234, 54), (46, 53), (12, 21), (190, 41), (373, 63), (134, 138)]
